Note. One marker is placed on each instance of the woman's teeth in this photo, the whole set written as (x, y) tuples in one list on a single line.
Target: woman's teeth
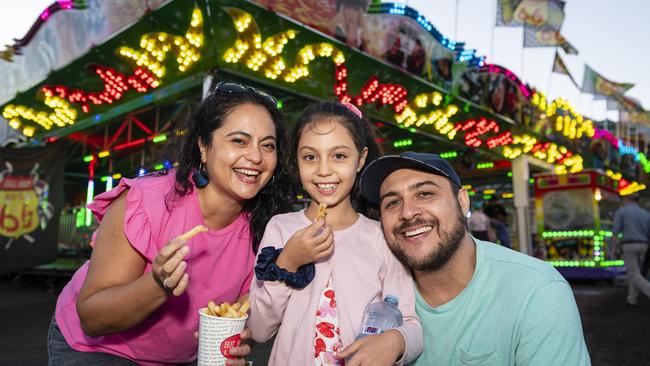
[(247, 172)]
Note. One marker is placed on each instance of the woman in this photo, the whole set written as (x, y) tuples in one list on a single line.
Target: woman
[(137, 299)]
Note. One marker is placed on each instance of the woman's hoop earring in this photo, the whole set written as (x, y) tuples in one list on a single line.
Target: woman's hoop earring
[(200, 176)]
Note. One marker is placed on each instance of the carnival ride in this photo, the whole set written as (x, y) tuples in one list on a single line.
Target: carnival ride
[(115, 95)]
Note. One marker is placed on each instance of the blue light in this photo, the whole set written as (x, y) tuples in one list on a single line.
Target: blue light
[(141, 172), (168, 164), (98, 117), (402, 9), (627, 150)]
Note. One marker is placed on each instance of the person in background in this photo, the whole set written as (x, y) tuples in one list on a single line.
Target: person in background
[(478, 303), (498, 221), (631, 232), (479, 224), (315, 277), (137, 300)]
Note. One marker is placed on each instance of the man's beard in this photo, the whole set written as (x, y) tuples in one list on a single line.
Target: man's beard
[(449, 243)]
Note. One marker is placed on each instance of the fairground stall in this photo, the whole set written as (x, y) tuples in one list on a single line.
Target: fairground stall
[(94, 92), (574, 215)]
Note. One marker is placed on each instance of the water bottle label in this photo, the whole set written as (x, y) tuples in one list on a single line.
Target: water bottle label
[(370, 330)]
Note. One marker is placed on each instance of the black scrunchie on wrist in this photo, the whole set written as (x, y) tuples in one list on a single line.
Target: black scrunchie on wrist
[(267, 270)]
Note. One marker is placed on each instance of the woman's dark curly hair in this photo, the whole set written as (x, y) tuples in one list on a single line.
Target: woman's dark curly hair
[(210, 114), (361, 132)]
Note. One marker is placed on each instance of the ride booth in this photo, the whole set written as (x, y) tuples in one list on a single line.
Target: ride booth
[(574, 215)]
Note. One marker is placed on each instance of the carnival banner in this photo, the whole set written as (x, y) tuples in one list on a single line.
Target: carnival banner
[(568, 48), (495, 88), (560, 67), (397, 39), (530, 13), (31, 197), (619, 102), (594, 83), (505, 13)]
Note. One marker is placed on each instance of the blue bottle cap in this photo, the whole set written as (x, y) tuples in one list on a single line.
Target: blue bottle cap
[(392, 299)]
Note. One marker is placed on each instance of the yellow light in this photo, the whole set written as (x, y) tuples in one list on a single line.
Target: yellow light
[(155, 46), (14, 123), (103, 154), (28, 131)]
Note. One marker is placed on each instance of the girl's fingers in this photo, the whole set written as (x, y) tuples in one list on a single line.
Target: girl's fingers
[(312, 229), (325, 250), (324, 235), (175, 277)]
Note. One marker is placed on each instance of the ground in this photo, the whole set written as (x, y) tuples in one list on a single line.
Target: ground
[(615, 334)]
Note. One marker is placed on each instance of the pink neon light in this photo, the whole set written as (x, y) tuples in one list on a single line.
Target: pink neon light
[(511, 75), (607, 136)]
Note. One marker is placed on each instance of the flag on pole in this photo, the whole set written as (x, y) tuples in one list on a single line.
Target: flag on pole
[(560, 67), (619, 102), (594, 83), (535, 37), (568, 48), (505, 13)]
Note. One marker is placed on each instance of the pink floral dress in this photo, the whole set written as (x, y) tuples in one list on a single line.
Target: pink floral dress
[(328, 339)]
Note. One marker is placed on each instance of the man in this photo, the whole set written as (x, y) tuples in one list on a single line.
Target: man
[(632, 225), (479, 303)]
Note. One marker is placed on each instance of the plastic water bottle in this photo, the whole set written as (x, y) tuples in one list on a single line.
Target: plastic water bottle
[(381, 316)]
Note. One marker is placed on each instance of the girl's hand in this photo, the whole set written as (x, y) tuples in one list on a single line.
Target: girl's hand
[(306, 246), (169, 267), (380, 349)]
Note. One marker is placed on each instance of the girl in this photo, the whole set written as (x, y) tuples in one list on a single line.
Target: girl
[(316, 314), (137, 299)]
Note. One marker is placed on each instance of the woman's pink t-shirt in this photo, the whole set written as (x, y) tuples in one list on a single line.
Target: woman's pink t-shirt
[(220, 268)]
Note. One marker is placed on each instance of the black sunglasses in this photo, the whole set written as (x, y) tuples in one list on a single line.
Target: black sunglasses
[(230, 87)]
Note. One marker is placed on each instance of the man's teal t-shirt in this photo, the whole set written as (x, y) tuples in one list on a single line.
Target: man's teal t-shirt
[(516, 310)]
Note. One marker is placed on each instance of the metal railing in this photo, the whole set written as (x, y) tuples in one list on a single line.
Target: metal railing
[(74, 236)]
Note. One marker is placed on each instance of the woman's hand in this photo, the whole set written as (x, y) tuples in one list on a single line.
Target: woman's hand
[(169, 267), (377, 350), (307, 245)]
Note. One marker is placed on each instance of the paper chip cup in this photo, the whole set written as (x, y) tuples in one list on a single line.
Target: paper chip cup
[(217, 336)]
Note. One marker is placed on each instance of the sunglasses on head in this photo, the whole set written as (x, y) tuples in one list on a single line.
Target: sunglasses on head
[(230, 87)]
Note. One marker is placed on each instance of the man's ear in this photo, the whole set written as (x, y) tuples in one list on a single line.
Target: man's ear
[(463, 200)]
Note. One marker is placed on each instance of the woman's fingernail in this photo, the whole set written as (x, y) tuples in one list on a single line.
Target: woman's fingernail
[(185, 250)]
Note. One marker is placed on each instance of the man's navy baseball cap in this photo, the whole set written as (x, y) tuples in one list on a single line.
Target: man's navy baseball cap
[(375, 173)]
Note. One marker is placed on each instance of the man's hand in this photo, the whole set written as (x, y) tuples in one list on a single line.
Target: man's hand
[(240, 351), (376, 350)]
